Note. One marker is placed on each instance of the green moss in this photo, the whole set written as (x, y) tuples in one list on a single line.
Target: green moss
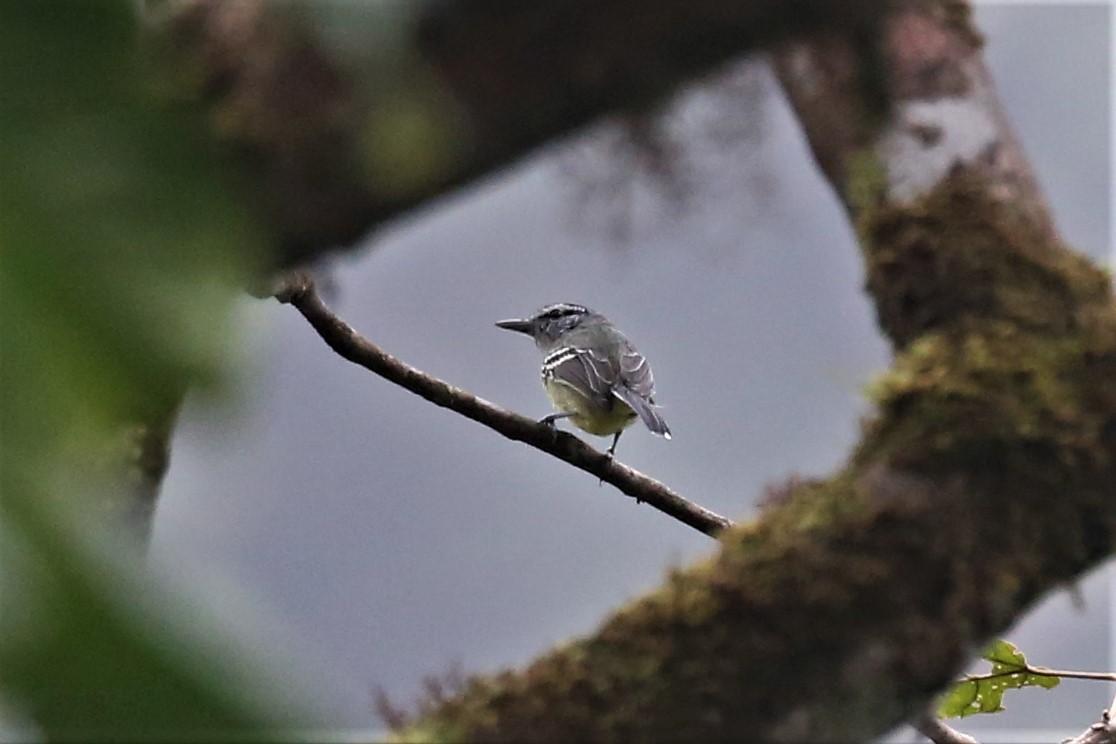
[(865, 182), (790, 595), (986, 389), (988, 466), (1001, 334), (1005, 340), (958, 255), (680, 643)]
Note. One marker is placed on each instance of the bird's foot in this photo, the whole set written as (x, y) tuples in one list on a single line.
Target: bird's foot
[(552, 418), (610, 455)]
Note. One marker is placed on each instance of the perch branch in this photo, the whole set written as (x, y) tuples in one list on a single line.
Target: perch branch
[(299, 291)]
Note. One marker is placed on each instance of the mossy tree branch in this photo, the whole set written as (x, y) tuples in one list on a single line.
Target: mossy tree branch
[(333, 139), (986, 478)]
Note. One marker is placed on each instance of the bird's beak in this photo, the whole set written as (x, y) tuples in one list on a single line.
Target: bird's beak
[(523, 326)]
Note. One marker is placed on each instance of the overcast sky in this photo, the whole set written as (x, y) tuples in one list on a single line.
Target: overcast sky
[(383, 538)]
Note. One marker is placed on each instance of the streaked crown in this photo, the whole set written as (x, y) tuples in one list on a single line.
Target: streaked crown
[(561, 310), (552, 321)]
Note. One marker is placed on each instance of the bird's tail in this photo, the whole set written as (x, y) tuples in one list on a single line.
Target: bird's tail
[(647, 411)]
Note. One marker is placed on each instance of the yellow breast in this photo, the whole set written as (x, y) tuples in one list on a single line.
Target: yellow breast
[(587, 416)]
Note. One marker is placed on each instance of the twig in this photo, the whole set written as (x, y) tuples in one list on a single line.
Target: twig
[(936, 730), (1102, 732), (1043, 671), (298, 290)]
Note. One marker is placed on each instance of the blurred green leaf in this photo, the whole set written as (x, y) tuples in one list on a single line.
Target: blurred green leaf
[(94, 650), (120, 251), (985, 695), (121, 255)]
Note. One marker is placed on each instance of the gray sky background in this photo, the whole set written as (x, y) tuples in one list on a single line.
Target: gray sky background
[(381, 538)]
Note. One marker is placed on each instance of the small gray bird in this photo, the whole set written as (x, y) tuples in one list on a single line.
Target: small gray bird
[(591, 372)]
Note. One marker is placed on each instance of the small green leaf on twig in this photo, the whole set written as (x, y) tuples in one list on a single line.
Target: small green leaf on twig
[(984, 693)]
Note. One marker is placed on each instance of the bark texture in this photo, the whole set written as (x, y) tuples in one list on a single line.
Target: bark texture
[(329, 144)]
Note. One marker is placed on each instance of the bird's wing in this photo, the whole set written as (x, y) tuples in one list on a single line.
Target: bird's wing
[(635, 372), (637, 388), (582, 369)]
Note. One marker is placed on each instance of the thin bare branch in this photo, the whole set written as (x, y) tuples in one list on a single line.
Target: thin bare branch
[(299, 291), (1028, 669), (937, 731), (1102, 732)]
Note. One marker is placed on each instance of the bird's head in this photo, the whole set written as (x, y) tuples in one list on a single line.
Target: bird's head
[(550, 323)]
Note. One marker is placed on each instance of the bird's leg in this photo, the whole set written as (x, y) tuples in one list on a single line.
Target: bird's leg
[(615, 439), (611, 451), (549, 420)]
